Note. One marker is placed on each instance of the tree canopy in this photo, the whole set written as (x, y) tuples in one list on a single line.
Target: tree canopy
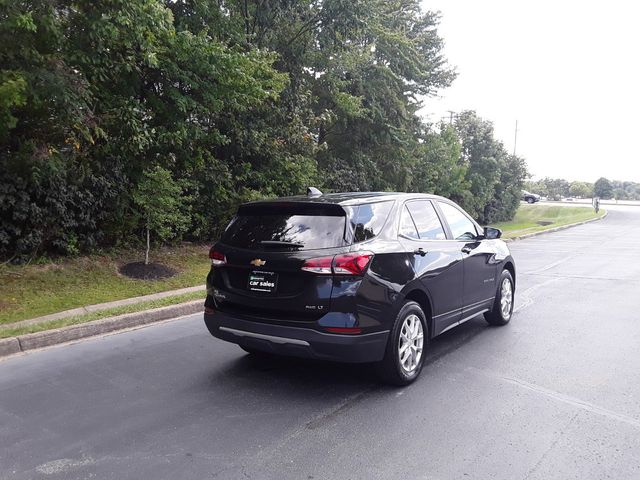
[(230, 100), (603, 188)]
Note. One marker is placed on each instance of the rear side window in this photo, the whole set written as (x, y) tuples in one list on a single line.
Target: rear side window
[(285, 231), (426, 220), (407, 227), (461, 227), (366, 220)]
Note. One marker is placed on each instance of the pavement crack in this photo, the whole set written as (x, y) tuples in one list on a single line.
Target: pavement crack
[(551, 447), (561, 397)]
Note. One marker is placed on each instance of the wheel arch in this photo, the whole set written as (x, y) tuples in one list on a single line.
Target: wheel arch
[(421, 298), (510, 266)]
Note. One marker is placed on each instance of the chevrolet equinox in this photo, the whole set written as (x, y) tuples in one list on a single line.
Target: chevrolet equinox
[(355, 277)]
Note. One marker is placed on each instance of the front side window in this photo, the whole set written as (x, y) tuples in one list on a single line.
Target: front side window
[(426, 220), (461, 227)]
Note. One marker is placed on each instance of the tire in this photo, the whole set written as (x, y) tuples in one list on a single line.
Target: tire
[(410, 322), (530, 200), (502, 311)]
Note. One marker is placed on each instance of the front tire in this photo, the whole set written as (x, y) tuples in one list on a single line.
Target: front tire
[(530, 200), (408, 341), (502, 309)]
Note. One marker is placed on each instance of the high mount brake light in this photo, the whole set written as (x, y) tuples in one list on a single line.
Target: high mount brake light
[(344, 264), (217, 259)]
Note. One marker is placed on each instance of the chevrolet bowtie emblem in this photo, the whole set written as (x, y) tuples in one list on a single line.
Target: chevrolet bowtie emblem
[(257, 262)]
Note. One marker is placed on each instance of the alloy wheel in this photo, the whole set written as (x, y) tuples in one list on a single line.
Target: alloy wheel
[(411, 343), (506, 298)]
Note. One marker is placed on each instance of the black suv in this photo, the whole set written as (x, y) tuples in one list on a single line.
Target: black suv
[(355, 277)]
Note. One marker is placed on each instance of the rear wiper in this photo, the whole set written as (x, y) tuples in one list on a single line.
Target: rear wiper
[(280, 243)]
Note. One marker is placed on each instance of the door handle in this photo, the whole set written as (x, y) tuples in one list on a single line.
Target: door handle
[(466, 249), (420, 252)]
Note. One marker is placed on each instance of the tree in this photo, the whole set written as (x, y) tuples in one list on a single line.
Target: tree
[(508, 191), (231, 101), (619, 194), (162, 206), (438, 167), (92, 95), (539, 187), (581, 189), (603, 188), (495, 178)]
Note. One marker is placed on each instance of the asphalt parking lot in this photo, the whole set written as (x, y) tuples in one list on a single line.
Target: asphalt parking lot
[(555, 394)]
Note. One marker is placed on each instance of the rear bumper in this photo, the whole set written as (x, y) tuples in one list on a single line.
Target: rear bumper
[(297, 342)]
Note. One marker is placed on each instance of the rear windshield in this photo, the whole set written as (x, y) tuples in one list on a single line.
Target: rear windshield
[(271, 230)]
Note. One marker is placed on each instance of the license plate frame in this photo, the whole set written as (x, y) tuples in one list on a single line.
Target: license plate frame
[(263, 282)]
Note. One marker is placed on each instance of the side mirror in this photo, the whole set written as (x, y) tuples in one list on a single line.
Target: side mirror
[(491, 233)]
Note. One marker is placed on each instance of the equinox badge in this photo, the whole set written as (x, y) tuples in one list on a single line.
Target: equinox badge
[(257, 262)]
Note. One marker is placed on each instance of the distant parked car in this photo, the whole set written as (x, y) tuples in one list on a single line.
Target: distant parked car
[(355, 277), (530, 197)]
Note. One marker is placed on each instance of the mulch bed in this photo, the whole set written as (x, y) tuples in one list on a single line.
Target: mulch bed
[(140, 271)]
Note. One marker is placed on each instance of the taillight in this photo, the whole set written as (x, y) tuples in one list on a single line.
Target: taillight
[(217, 259), (351, 263), (344, 264), (321, 265)]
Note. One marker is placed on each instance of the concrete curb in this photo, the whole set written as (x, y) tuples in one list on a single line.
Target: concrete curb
[(556, 229), (32, 341), (104, 306), (9, 346)]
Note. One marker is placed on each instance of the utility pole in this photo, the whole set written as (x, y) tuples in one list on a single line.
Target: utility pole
[(515, 139), (451, 112)]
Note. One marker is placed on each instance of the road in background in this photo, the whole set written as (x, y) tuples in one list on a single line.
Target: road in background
[(579, 202), (555, 394)]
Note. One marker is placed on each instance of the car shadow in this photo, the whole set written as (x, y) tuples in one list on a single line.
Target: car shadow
[(310, 394), (270, 371)]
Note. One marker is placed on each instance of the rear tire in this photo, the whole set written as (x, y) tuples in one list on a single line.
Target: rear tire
[(408, 340), (502, 309), (530, 200)]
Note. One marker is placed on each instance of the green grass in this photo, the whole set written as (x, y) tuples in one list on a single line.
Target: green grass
[(138, 307), (528, 218), (35, 290)]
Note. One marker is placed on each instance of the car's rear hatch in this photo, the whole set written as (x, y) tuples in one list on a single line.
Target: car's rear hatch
[(264, 249)]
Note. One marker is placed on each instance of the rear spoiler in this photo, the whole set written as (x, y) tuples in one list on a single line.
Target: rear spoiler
[(296, 208)]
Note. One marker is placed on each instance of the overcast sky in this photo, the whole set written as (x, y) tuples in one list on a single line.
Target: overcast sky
[(568, 71)]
